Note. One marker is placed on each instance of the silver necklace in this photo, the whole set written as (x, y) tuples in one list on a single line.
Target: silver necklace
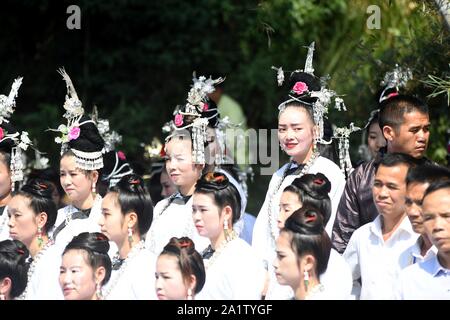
[(273, 216), (220, 249), (131, 255), (32, 268)]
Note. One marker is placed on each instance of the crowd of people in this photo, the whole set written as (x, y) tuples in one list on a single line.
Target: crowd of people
[(380, 230)]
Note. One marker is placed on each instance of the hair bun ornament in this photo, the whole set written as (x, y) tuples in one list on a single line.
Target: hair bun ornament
[(135, 182), (101, 237), (299, 88), (393, 81), (319, 181), (184, 244), (20, 251), (310, 217)]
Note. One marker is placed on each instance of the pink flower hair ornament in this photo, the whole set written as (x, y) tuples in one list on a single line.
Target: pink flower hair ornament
[(299, 88), (121, 155), (178, 120), (74, 133)]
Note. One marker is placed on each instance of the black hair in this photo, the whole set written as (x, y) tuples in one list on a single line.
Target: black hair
[(396, 158), (212, 113), (90, 139), (313, 84), (436, 186), (393, 110), (96, 245), (13, 265), (225, 193), (7, 144), (313, 190), (134, 197), (306, 225), (190, 261), (427, 173), (40, 193), (48, 174)]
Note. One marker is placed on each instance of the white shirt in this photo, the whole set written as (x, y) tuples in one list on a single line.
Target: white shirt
[(375, 261), (425, 280), (235, 274), (4, 228), (175, 221), (337, 281), (413, 254), (44, 282), (136, 281), (77, 226), (263, 241)]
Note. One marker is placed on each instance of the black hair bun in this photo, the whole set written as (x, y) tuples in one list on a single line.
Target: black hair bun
[(92, 241), (315, 185), (90, 139), (212, 181), (307, 220), (114, 160), (39, 188)]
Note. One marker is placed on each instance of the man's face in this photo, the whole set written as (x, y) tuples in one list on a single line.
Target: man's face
[(389, 190), (412, 136), (413, 204)]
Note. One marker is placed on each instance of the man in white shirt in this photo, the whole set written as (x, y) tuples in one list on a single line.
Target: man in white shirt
[(418, 180), (374, 249), (430, 279)]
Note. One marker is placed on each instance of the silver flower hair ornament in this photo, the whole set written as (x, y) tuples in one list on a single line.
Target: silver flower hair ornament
[(196, 103), (71, 131), (343, 135), (396, 78), (21, 140), (8, 103)]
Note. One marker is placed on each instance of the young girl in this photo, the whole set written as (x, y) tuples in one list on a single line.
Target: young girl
[(127, 214), (233, 270), (312, 190), (180, 273), (81, 159), (303, 250), (85, 267), (13, 269), (299, 124), (32, 212), (185, 160)]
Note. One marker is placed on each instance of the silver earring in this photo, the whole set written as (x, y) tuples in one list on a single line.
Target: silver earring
[(189, 294), (98, 291)]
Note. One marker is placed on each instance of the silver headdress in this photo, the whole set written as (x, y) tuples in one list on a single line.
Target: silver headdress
[(300, 91), (343, 135), (20, 140), (196, 104), (396, 78), (71, 131), (111, 137)]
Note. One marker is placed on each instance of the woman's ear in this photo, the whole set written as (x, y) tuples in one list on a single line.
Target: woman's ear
[(131, 219), (228, 214), (5, 286), (41, 219), (99, 275), (94, 176), (192, 283)]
